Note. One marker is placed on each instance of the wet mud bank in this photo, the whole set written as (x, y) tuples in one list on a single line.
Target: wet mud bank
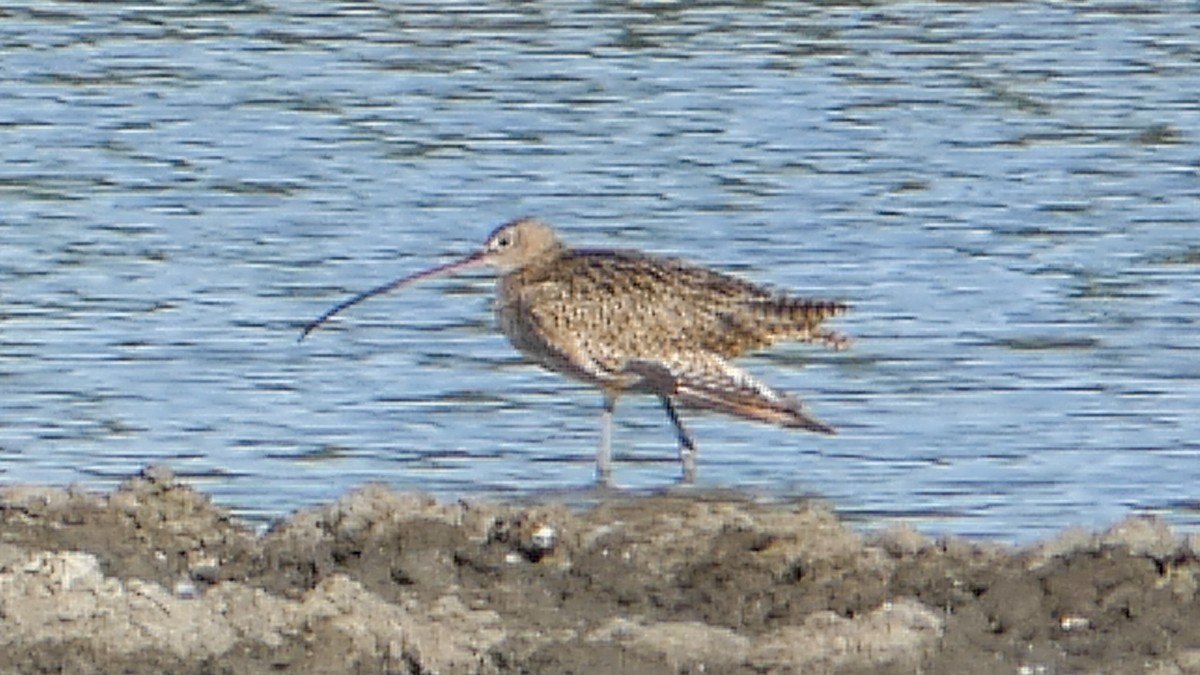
[(153, 578)]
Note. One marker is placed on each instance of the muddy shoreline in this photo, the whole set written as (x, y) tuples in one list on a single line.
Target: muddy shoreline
[(153, 578)]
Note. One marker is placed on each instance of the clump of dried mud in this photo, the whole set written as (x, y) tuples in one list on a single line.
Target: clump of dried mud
[(153, 578)]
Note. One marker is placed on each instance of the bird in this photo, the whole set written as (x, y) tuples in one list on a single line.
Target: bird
[(626, 321)]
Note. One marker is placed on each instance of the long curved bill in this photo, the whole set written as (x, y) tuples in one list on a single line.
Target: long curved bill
[(473, 260)]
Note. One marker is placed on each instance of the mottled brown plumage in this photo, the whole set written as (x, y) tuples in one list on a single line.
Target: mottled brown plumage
[(627, 321)]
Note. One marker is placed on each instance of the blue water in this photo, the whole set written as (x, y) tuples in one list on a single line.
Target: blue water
[(1007, 193)]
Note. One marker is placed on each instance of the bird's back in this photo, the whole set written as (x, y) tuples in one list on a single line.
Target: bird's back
[(610, 306)]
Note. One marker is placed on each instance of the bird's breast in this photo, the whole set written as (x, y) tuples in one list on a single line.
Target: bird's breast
[(562, 330), (522, 320)]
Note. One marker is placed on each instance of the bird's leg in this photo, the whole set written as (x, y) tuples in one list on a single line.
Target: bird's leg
[(687, 447), (604, 452)]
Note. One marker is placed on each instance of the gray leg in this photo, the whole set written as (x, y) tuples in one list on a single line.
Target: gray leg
[(687, 447), (604, 452)]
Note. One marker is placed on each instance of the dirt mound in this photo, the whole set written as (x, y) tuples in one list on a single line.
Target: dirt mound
[(153, 578)]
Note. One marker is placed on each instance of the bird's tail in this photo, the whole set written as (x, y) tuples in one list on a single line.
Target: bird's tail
[(789, 318), (762, 322)]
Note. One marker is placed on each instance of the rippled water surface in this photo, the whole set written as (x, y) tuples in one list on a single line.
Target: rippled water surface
[(1007, 193)]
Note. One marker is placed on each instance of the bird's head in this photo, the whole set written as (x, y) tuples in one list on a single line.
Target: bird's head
[(519, 243)]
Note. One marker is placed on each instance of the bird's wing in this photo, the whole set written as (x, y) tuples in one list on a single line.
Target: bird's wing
[(705, 380), (635, 305)]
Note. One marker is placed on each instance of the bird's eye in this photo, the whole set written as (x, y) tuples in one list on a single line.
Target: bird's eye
[(502, 242)]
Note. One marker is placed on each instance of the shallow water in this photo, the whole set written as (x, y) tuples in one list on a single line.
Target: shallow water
[(1007, 193)]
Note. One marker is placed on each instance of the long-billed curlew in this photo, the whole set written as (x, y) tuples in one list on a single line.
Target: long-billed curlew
[(627, 321)]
